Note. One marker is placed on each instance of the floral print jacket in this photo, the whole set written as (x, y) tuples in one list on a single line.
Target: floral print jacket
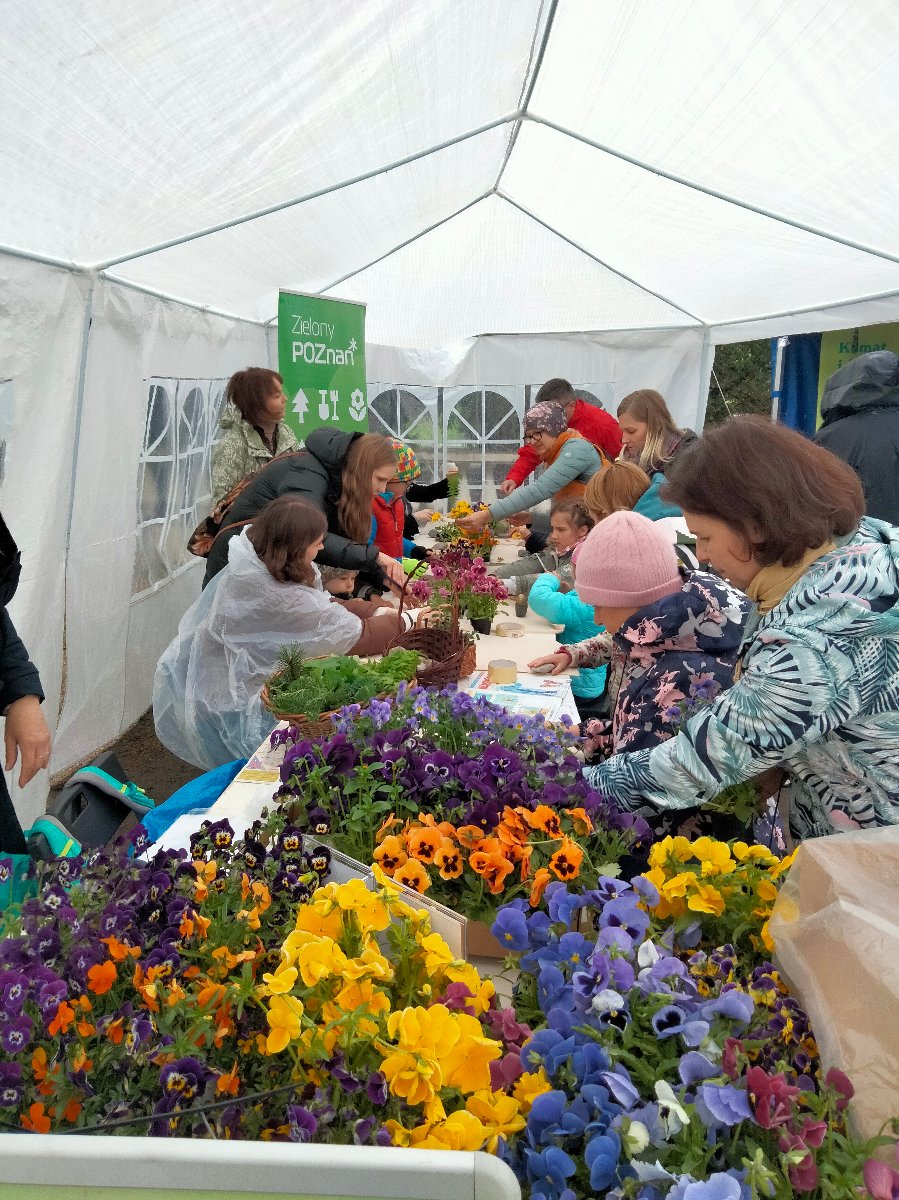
[(818, 695), (670, 657)]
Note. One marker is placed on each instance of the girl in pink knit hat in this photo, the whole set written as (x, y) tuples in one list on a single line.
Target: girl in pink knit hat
[(671, 637)]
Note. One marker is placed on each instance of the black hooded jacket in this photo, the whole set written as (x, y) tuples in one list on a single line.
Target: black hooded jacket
[(316, 474), (860, 414)]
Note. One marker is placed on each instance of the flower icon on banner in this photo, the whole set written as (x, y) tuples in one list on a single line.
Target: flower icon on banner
[(357, 405), (352, 345)]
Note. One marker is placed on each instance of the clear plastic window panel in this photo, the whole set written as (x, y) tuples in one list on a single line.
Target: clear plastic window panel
[(410, 414), (174, 488)]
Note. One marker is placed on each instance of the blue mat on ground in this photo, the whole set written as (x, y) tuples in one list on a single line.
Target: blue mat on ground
[(196, 796)]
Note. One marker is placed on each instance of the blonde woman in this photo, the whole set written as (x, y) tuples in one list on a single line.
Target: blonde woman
[(339, 473), (649, 435)]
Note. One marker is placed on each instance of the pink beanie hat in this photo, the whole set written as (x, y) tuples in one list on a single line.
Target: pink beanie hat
[(626, 561)]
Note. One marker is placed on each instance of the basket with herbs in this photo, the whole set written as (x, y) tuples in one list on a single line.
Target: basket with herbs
[(306, 691)]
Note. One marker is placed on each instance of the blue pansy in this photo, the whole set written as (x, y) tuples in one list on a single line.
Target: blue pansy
[(511, 929), (601, 1156), (722, 1104)]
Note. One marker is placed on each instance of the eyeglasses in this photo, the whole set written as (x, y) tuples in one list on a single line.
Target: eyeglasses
[(533, 437)]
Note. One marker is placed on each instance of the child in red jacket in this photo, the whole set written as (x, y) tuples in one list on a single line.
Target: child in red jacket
[(388, 510)]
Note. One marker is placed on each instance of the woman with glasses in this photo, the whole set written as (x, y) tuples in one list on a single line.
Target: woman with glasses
[(569, 459)]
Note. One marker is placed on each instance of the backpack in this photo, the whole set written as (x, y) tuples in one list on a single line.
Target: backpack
[(203, 537)]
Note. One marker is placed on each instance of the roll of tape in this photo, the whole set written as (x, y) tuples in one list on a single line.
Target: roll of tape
[(502, 670)]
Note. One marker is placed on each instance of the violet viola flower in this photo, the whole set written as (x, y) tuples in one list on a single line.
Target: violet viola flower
[(13, 990), (376, 1088), (881, 1181), (301, 1122), (722, 1104), (15, 1034), (10, 1085)]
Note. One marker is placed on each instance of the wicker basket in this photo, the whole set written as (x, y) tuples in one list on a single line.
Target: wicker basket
[(313, 727), (451, 652)]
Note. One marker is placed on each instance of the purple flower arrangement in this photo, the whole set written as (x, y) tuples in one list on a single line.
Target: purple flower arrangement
[(667, 1073)]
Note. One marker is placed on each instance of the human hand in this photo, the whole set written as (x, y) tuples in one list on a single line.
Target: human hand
[(26, 732), (478, 520), (426, 618), (558, 661), (519, 518), (507, 487), (392, 569)]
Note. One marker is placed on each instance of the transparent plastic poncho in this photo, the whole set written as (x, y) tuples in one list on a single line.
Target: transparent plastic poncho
[(208, 682)]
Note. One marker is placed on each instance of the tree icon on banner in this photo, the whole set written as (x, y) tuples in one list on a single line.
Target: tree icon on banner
[(301, 405), (357, 405)]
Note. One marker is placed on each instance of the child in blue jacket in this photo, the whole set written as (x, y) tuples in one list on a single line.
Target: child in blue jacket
[(552, 597)]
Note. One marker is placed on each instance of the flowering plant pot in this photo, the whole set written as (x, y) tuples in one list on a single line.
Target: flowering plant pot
[(695, 1068), (455, 798)]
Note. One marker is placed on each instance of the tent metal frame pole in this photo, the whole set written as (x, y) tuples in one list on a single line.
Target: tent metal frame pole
[(621, 275), (709, 191), (46, 259), (706, 363), (297, 200), (811, 308), (79, 412), (157, 295), (397, 247), (528, 90)]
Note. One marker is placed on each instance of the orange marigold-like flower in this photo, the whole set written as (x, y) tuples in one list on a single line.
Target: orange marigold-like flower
[(538, 886), (391, 854), (493, 867), (566, 862), (37, 1119), (422, 844), (65, 1015), (448, 860), (413, 875), (101, 977), (580, 820), (546, 819), (469, 836)]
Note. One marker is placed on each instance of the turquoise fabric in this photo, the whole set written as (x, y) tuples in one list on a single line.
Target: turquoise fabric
[(565, 608), (817, 695), (577, 461), (651, 505)]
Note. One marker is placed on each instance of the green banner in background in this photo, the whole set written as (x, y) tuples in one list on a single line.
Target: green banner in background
[(321, 357), (840, 346)]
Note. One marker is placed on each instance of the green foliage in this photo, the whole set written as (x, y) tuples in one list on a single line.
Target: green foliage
[(318, 685), (741, 382)]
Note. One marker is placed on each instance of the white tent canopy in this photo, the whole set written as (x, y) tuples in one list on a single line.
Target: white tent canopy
[(603, 189)]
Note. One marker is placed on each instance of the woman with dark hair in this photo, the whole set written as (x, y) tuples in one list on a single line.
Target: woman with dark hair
[(816, 691), (254, 425), (340, 474), (649, 435), (206, 692)]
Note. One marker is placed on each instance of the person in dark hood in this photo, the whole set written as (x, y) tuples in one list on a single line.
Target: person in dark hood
[(26, 736), (339, 473), (860, 414)]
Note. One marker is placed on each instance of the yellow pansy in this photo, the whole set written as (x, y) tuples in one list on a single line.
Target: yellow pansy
[(283, 1016), (705, 899), (460, 1131), (437, 952), (529, 1086), (766, 890), (371, 912), (281, 981), (501, 1114), (714, 856), (320, 918), (319, 959), (412, 1077), (369, 964), (677, 848)]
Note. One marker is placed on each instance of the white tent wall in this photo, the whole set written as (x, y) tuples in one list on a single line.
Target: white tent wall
[(42, 317), (675, 362), (113, 638)]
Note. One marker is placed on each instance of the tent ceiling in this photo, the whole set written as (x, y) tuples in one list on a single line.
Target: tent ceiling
[(124, 129)]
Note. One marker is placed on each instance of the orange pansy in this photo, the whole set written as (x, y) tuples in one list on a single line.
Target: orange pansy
[(492, 867), (101, 977), (538, 887), (448, 860), (546, 819), (413, 875), (422, 844), (566, 862), (391, 854)]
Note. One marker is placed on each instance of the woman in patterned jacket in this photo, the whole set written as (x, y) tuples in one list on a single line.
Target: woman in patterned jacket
[(254, 428), (816, 691)]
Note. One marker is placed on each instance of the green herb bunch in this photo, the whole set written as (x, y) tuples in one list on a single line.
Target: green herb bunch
[(313, 686)]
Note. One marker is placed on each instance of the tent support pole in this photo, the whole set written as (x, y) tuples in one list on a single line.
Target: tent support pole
[(79, 409), (46, 259), (402, 245), (813, 308), (577, 246), (706, 359), (707, 191), (297, 200), (528, 89)]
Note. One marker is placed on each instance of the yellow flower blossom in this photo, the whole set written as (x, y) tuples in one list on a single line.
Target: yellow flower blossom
[(501, 1114), (677, 848), (714, 856), (283, 1016), (320, 918), (280, 981), (369, 964), (319, 959), (371, 912), (529, 1086), (705, 899)]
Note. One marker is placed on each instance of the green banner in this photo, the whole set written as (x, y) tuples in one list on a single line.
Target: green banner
[(840, 346), (321, 357)]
